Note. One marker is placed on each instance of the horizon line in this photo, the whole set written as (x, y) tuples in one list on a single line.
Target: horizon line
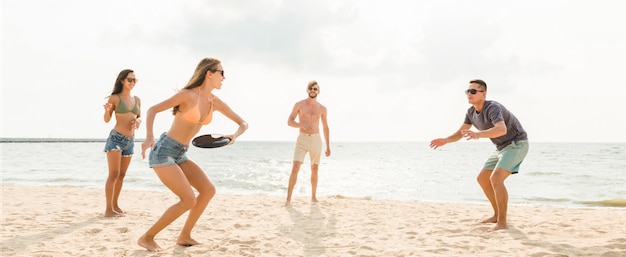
[(88, 140)]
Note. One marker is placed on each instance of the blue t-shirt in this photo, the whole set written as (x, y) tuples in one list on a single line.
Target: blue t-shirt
[(493, 112)]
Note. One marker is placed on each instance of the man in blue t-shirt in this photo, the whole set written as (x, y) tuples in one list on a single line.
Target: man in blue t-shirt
[(495, 122)]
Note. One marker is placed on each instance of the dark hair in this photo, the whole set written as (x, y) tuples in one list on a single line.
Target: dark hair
[(206, 64), (479, 82), (117, 87)]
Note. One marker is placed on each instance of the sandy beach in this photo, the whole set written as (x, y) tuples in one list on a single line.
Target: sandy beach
[(68, 221)]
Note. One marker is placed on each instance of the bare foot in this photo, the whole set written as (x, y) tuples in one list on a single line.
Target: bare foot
[(149, 244), (113, 214), (187, 242), (498, 227), (493, 219), (287, 204), (314, 200), (118, 210)]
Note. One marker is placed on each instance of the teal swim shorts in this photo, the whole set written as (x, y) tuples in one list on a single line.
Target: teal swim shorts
[(509, 158)]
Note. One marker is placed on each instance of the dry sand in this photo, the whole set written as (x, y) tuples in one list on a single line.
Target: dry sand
[(68, 221)]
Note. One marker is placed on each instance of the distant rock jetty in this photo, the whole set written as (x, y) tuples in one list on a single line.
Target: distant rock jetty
[(55, 140)]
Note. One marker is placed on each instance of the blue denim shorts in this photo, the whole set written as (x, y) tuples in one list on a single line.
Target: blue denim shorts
[(510, 158), (120, 142), (166, 152)]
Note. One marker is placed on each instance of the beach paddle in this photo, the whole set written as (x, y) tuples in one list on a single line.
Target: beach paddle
[(210, 141)]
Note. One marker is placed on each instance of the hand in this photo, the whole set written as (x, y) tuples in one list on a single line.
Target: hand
[(468, 134), (147, 144), (231, 137), (327, 152), (439, 142), (307, 128), (108, 107), (135, 123)]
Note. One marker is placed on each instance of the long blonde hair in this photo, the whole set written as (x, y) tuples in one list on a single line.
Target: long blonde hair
[(206, 64)]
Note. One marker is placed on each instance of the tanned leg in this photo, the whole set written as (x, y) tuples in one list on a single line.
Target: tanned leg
[(501, 196), (206, 190), (174, 179), (113, 160), (125, 162), (314, 168), (293, 178), (484, 180)]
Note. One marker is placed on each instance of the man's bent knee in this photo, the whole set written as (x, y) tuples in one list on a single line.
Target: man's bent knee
[(484, 175), (499, 175)]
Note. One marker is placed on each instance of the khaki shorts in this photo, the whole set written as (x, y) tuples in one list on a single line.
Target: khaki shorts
[(311, 143)]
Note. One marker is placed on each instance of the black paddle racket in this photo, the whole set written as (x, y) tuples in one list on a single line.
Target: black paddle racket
[(210, 141)]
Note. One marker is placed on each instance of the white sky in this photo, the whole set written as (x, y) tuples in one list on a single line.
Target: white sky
[(388, 70)]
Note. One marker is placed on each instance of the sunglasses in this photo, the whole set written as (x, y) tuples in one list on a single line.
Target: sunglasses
[(313, 89), (132, 80), (222, 71), (472, 91)]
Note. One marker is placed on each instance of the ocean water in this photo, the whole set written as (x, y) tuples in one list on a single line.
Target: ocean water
[(562, 174)]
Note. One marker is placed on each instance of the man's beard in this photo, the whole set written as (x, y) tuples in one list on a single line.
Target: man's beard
[(312, 96)]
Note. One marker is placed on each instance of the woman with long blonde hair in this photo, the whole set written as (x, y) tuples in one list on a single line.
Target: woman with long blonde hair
[(193, 107)]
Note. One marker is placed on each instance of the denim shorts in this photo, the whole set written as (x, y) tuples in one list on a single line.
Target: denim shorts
[(510, 158), (120, 142), (167, 152)]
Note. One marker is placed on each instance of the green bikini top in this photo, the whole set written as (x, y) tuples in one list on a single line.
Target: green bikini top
[(123, 108)]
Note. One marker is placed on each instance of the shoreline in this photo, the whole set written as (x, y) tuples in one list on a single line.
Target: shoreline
[(68, 221), (608, 203)]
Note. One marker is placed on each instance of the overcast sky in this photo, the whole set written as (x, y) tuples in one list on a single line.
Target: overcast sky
[(388, 70)]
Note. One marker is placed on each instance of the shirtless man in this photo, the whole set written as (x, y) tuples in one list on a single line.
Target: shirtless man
[(309, 113)]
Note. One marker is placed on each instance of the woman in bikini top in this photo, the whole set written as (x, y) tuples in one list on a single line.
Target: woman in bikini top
[(193, 114), (123, 108), (119, 147), (168, 155)]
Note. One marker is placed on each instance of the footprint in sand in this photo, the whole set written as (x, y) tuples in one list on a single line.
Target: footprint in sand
[(93, 231), (239, 226), (122, 230)]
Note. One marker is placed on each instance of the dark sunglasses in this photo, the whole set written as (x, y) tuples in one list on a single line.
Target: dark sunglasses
[(472, 91), (222, 71), (132, 80), (313, 89)]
